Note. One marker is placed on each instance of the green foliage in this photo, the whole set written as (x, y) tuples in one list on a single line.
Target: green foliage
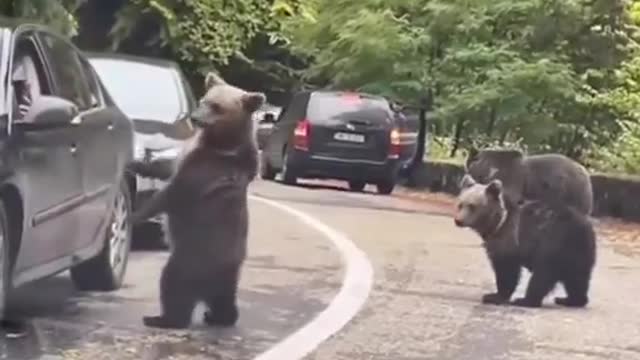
[(58, 14), (544, 73), (207, 32), (623, 155)]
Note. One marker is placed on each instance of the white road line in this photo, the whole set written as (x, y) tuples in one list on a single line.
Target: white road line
[(356, 285)]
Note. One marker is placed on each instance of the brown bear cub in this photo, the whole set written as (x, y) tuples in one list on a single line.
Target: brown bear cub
[(534, 177), (206, 205), (555, 242)]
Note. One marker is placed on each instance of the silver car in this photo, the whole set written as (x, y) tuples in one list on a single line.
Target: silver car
[(155, 95)]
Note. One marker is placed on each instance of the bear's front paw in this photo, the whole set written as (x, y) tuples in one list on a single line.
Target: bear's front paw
[(163, 323), (494, 299), (524, 302)]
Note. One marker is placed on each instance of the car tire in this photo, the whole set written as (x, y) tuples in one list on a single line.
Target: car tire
[(357, 185), (288, 175), (105, 272), (266, 170), (4, 259), (385, 187)]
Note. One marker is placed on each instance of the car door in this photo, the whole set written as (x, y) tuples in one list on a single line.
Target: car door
[(283, 128), (49, 167), (97, 153)]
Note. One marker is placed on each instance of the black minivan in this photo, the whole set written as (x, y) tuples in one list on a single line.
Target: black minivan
[(335, 135)]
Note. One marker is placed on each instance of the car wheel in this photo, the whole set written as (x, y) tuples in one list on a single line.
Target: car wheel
[(266, 170), (288, 176), (357, 186), (385, 187), (4, 259), (105, 272)]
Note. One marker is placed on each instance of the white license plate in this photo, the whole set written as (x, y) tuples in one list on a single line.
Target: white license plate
[(356, 138)]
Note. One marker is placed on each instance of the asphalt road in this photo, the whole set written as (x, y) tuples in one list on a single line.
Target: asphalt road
[(424, 304)]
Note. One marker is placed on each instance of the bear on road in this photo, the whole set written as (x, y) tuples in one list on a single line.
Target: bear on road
[(206, 205), (556, 242)]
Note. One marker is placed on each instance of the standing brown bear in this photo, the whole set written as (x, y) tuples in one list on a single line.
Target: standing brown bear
[(206, 205)]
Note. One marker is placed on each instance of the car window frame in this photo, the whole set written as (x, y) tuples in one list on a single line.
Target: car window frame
[(91, 74), (49, 60), (15, 37), (190, 98)]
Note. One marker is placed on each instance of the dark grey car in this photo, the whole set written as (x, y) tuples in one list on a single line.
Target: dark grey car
[(348, 136), (64, 145), (154, 94)]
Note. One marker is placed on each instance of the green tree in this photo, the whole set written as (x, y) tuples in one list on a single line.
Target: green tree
[(211, 33), (58, 14), (519, 70)]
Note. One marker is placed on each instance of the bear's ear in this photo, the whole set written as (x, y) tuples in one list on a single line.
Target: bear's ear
[(212, 79), (467, 181), (494, 189), (471, 157), (252, 101)]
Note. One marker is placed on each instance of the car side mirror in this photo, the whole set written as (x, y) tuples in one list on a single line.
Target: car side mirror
[(48, 112)]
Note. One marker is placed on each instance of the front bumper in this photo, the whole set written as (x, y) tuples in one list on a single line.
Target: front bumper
[(309, 165)]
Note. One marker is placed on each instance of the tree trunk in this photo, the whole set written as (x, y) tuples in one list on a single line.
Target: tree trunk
[(457, 136), (426, 105), (503, 137), (492, 122)]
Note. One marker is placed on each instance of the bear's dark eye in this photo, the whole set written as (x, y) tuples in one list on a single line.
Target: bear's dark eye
[(216, 108), (471, 207)]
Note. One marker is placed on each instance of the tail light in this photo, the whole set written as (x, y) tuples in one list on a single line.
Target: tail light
[(394, 144), (301, 135)]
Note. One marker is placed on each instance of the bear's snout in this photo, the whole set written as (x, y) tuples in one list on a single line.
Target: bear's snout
[(458, 222)]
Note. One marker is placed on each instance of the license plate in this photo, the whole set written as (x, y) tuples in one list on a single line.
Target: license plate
[(356, 138)]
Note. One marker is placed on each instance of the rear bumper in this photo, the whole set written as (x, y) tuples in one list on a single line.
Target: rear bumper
[(309, 165)]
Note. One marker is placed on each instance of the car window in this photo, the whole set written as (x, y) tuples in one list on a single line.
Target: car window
[(142, 91), (27, 76), (92, 81), (68, 74), (324, 106)]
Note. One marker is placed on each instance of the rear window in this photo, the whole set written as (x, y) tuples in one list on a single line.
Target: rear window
[(333, 106)]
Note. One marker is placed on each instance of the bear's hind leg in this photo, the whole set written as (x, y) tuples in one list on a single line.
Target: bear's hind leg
[(577, 288), (178, 299), (541, 283), (221, 298)]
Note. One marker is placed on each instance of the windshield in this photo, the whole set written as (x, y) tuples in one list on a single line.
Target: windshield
[(142, 91)]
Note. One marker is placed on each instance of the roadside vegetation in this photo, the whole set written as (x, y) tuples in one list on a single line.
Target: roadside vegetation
[(540, 75)]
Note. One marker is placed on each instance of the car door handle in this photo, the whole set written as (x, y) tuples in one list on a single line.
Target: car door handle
[(73, 149), (110, 126), (77, 120)]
